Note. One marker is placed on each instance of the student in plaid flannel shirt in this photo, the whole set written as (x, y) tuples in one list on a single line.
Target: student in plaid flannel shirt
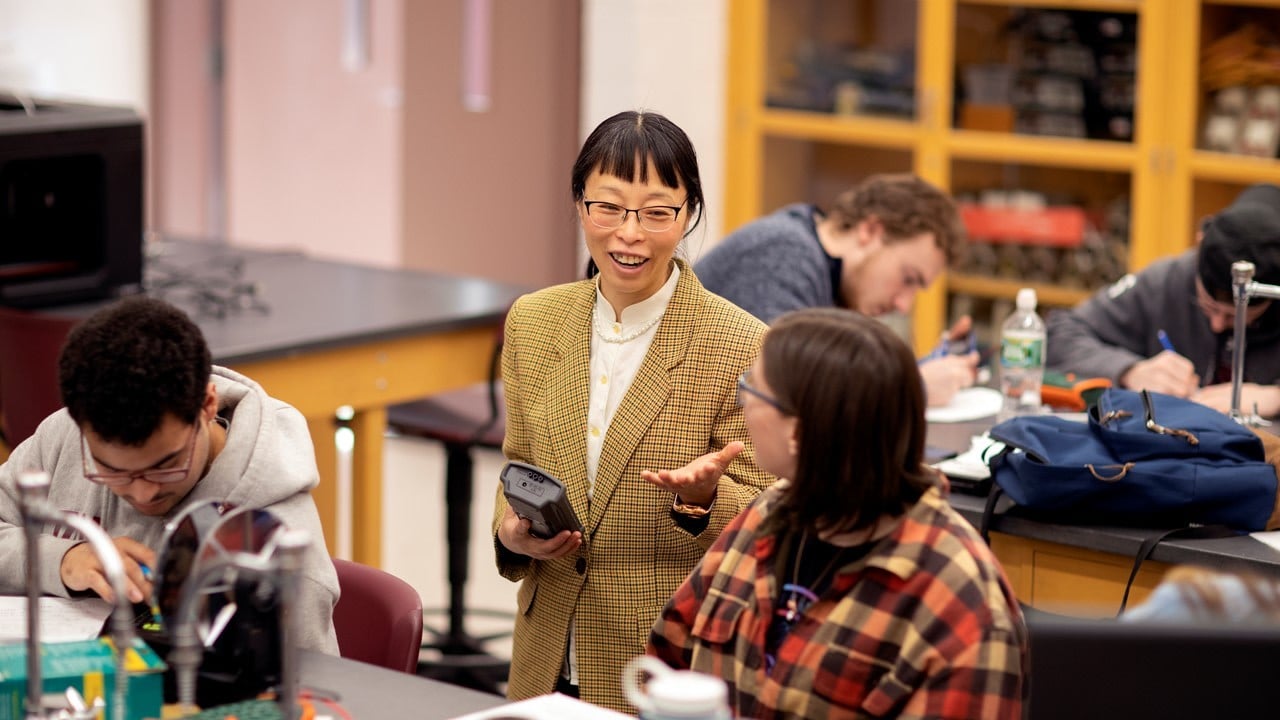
[(851, 588)]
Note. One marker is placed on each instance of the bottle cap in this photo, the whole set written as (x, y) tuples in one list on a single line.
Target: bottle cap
[(1026, 299)]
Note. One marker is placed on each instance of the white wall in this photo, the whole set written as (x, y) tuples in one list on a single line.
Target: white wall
[(667, 56), (93, 50)]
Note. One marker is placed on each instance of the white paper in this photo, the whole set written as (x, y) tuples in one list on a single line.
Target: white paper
[(970, 403), (551, 707), (61, 619), (1270, 537), (972, 463)]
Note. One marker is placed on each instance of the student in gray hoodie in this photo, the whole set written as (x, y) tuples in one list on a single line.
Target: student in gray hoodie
[(151, 427)]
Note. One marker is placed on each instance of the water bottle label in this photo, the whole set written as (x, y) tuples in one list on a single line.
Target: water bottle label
[(1022, 352)]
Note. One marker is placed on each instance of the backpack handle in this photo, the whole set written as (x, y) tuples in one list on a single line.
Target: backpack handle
[(1123, 470), (1155, 427)]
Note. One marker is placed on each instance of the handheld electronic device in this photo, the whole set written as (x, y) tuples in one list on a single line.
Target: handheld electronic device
[(539, 497), (1065, 390)]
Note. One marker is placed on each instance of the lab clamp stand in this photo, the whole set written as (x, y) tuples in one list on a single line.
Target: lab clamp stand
[(33, 489), (1243, 288), (282, 559)]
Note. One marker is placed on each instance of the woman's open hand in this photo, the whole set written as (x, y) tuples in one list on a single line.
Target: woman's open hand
[(696, 482)]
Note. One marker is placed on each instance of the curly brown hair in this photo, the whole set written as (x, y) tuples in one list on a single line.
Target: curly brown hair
[(906, 207), (130, 364)]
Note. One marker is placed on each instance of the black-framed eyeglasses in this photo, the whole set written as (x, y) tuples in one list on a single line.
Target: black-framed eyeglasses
[(610, 216), (159, 476), (744, 386)]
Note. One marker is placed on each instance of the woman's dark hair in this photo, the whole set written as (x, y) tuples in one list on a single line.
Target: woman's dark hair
[(623, 146), (856, 391), (128, 365)]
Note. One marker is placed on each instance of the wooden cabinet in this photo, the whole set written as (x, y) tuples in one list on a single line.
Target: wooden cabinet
[(1149, 188), (1072, 581)]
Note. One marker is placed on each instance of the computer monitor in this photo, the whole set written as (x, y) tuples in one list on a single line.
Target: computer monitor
[(70, 202), (1115, 669)]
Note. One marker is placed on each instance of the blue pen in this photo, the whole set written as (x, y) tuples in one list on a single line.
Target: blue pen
[(1163, 337), (940, 350), (946, 346)]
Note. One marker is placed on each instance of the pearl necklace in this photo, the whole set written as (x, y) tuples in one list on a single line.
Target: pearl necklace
[(620, 339)]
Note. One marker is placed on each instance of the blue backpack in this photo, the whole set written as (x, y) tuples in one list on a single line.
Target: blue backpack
[(1143, 458)]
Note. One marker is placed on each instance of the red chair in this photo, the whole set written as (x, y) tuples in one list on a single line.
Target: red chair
[(29, 346), (378, 618)]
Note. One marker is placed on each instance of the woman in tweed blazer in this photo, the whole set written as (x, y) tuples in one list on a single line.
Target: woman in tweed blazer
[(622, 386)]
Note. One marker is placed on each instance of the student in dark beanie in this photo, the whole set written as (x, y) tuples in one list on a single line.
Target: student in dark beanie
[(1115, 333)]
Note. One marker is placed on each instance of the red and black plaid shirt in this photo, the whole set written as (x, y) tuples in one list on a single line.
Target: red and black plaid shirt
[(923, 625)]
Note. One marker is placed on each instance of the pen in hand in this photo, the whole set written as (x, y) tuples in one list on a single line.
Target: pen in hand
[(1163, 337), (963, 345), (155, 607)]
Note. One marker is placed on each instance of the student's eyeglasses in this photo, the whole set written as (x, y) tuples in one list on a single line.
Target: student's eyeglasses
[(610, 216), (745, 387), (117, 478)]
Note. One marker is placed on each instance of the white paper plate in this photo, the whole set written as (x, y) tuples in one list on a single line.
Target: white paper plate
[(968, 404)]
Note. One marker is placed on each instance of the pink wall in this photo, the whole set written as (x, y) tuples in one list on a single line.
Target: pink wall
[(178, 161), (312, 148), (488, 193), (382, 165)]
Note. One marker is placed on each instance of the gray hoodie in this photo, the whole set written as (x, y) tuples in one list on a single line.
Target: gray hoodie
[(268, 463)]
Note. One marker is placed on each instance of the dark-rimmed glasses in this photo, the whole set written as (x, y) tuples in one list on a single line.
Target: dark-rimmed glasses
[(610, 216), (159, 476), (744, 386)]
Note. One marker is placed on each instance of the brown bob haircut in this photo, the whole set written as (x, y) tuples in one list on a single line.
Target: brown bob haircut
[(856, 391), (906, 207)]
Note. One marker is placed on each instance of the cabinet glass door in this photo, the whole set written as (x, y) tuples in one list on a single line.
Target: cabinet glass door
[(842, 57)]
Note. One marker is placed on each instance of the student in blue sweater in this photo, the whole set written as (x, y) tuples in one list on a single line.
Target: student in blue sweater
[(881, 243)]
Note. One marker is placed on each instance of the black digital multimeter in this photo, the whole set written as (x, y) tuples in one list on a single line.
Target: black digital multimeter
[(540, 498)]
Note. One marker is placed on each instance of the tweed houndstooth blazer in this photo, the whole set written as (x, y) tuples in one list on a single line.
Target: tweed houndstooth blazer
[(681, 405)]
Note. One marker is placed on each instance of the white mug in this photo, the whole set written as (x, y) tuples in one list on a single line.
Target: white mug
[(674, 694)]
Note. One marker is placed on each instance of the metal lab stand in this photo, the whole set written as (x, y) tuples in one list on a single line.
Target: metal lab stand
[(1243, 288), (281, 559), (33, 488)]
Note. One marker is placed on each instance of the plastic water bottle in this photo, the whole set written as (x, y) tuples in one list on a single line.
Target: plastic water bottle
[(1022, 340)]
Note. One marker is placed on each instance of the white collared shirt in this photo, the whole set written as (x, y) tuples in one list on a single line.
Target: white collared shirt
[(614, 365)]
